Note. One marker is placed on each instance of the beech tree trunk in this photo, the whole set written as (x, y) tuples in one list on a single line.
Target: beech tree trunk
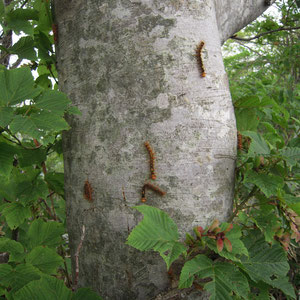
[(130, 67)]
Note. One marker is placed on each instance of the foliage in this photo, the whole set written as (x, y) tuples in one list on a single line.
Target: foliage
[(32, 118), (255, 255)]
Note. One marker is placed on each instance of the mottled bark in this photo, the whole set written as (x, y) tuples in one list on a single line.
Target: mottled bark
[(130, 67)]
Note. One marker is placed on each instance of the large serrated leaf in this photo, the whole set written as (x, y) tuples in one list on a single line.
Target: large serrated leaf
[(158, 232), (225, 278), (42, 233), (55, 181), (47, 288), (246, 119), (24, 48), (7, 153), (258, 145), (53, 101), (269, 184), (6, 116), (17, 277), (16, 85), (45, 259), (15, 214), (266, 263), (291, 155), (15, 249)]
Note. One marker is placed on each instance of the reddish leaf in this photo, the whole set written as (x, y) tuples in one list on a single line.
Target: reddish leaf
[(220, 245), (228, 244), (214, 225)]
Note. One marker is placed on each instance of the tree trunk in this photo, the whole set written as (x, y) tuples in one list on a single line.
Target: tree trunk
[(130, 67)]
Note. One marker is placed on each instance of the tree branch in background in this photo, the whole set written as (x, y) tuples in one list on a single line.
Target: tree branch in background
[(234, 37)]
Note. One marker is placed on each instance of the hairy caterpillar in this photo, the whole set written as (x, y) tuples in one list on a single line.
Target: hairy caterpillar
[(152, 187), (200, 59), (240, 141), (88, 191), (152, 160)]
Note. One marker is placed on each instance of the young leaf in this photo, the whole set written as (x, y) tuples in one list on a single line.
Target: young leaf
[(158, 232), (7, 153)]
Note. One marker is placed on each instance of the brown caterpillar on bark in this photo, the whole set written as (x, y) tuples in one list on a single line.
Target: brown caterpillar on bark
[(200, 59), (88, 191), (152, 187), (152, 160)]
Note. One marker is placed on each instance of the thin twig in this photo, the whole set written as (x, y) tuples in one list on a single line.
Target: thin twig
[(77, 259), (234, 37)]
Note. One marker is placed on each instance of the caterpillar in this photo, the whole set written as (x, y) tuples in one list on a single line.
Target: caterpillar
[(152, 160), (200, 59), (55, 32), (240, 141), (153, 188), (88, 191)]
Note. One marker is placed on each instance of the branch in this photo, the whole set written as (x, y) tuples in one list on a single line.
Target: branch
[(234, 37), (77, 259)]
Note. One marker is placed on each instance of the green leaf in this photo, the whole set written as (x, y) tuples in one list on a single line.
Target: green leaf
[(246, 119), (45, 259), (53, 102), (267, 222), (73, 110), (15, 214), (291, 155), (266, 263), (268, 184), (47, 288), (42, 233), (44, 81), (6, 115), (17, 277), (86, 294), (192, 268), (7, 153), (24, 48), (158, 232), (15, 249), (18, 20), (31, 157), (258, 145), (247, 102), (55, 182), (293, 202), (226, 278), (16, 85), (36, 125)]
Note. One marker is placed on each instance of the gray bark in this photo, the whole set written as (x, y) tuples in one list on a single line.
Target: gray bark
[(129, 66), (233, 15)]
